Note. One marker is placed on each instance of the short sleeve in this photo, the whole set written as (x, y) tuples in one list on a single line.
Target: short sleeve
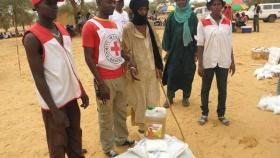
[(125, 37), (200, 34), (230, 33), (89, 35)]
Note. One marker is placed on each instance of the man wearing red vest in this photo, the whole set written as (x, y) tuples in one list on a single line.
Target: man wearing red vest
[(49, 53), (103, 55)]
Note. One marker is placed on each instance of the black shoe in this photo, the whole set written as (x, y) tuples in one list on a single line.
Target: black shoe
[(127, 142), (111, 154), (167, 104), (141, 131), (186, 102)]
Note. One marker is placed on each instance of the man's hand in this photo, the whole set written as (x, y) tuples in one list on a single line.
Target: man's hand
[(85, 100), (104, 91), (232, 69), (200, 70), (134, 73), (60, 118), (165, 58), (195, 57), (159, 73)]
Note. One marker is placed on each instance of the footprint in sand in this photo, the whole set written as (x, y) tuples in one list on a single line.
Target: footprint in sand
[(239, 64), (275, 140), (249, 142)]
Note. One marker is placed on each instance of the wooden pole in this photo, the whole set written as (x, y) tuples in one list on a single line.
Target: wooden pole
[(174, 116), (19, 66)]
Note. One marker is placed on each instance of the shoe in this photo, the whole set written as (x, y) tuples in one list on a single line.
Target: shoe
[(127, 142), (186, 102), (111, 154), (141, 133), (224, 121), (167, 104), (202, 120)]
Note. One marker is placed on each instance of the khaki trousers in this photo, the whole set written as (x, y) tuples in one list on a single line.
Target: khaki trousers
[(112, 115)]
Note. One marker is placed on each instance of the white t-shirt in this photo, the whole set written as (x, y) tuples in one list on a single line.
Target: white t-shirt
[(120, 19), (217, 42)]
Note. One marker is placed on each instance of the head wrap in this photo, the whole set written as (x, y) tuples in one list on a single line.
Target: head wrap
[(134, 5), (138, 19), (182, 15)]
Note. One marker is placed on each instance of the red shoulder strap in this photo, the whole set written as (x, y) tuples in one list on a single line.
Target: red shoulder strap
[(61, 29), (44, 34), (206, 22), (40, 32)]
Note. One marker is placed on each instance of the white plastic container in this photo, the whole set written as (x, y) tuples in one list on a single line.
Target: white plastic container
[(155, 121)]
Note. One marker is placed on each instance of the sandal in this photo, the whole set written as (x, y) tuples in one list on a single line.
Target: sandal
[(127, 142), (186, 102), (168, 103), (202, 120), (111, 154), (224, 121)]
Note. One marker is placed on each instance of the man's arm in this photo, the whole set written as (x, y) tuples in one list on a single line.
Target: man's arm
[(33, 47), (232, 65), (200, 48), (199, 52), (104, 90)]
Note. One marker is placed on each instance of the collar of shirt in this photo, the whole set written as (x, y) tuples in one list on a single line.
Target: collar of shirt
[(212, 20)]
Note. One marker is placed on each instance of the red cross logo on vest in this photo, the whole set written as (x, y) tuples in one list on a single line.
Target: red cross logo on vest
[(116, 48)]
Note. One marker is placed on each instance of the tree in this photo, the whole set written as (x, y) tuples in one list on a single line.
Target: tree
[(5, 18), (5, 21), (26, 18), (77, 6), (16, 9)]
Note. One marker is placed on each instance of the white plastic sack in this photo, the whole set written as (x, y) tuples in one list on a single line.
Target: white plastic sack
[(270, 103), (148, 149), (274, 55)]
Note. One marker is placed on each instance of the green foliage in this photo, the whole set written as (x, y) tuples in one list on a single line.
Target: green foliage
[(14, 13)]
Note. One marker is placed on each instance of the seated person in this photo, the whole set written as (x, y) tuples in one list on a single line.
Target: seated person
[(244, 19), (238, 20)]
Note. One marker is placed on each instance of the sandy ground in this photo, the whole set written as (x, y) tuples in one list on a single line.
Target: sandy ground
[(252, 134)]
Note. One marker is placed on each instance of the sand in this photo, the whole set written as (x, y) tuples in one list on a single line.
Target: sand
[(252, 134)]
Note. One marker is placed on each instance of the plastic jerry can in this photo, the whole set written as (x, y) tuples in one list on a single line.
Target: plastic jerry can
[(155, 121)]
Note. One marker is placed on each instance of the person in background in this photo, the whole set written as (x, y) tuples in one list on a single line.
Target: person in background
[(120, 16), (215, 56), (49, 54), (227, 12), (256, 23), (180, 46), (244, 19)]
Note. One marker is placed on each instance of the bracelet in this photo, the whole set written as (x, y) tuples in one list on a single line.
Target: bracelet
[(132, 68)]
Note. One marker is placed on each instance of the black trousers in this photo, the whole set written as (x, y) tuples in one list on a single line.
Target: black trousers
[(256, 23), (221, 76)]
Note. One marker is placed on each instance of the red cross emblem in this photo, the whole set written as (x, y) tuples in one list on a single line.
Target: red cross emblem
[(116, 48)]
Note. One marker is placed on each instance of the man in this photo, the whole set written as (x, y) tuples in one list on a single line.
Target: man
[(101, 42), (141, 41), (257, 10), (48, 49), (120, 17), (215, 56), (180, 45)]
